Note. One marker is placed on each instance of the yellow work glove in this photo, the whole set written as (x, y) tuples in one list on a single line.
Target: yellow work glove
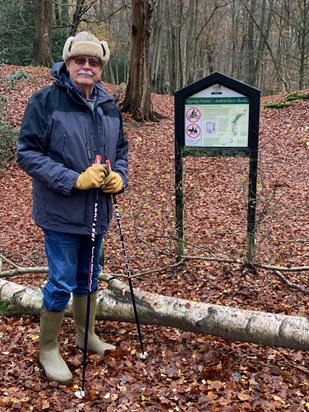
[(112, 183), (91, 178)]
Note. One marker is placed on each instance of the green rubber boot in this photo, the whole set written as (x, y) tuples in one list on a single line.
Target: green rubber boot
[(79, 308), (50, 359)]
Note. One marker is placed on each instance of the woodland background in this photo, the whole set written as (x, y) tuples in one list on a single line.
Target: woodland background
[(262, 43)]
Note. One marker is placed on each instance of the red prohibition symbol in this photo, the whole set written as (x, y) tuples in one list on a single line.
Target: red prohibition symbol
[(193, 131), (193, 114)]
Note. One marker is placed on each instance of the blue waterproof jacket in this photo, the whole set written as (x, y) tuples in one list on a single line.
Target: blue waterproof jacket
[(60, 137)]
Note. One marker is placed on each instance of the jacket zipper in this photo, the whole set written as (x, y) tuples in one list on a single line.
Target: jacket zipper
[(86, 139)]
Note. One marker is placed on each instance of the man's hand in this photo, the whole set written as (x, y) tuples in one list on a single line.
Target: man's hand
[(91, 178), (112, 183)]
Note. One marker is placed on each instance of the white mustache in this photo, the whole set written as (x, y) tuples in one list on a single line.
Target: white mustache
[(86, 72)]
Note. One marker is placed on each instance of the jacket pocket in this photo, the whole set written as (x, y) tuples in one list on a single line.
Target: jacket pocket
[(68, 141), (67, 209)]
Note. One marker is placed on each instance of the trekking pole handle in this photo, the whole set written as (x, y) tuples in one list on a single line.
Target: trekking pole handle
[(98, 158), (108, 164)]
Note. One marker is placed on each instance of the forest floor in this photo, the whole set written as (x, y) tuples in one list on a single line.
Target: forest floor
[(184, 371)]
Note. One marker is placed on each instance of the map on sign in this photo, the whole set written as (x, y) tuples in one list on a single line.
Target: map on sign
[(217, 117)]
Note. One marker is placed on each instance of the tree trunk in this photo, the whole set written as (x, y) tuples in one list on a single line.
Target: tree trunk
[(251, 44), (302, 40), (156, 64), (138, 97), (191, 45), (114, 303), (264, 32), (170, 42), (174, 12), (43, 23)]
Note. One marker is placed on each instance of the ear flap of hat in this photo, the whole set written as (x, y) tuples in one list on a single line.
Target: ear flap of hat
[(106, 52), (67, 48)]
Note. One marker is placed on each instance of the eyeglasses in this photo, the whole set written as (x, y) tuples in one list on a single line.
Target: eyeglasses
[(81, 61)]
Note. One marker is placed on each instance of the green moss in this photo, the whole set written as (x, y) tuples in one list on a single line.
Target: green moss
[(295, 96), (3, 307), (276, 105)]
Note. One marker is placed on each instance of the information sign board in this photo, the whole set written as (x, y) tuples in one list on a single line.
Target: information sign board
[(217, 116), (217, 120)]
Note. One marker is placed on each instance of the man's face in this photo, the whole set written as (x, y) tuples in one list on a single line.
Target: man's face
[(85, 70)]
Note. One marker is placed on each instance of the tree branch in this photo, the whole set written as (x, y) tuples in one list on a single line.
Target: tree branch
[(291, 284), (23, 270), (210, 17), (19, 270), (267, 45), (10, 262)]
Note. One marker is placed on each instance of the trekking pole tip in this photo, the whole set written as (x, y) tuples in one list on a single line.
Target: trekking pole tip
[(80, 394), (143, 355)]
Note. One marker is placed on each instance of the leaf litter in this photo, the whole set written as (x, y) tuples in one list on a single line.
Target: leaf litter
[(184, 371)]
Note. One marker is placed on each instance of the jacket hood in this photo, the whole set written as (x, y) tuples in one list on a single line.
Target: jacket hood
[(60, 73)]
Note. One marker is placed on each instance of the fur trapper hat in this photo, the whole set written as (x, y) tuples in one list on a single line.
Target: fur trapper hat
[(85, 43)]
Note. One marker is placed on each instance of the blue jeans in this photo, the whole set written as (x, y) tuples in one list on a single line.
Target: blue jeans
[(69, 258)]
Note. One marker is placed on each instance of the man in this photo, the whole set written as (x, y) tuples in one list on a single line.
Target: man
[(65, 126)]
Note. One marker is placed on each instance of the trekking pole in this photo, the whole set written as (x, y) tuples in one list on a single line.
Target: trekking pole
[(81, 393), (143, 354)]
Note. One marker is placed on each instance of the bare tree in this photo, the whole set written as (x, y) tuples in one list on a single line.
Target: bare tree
[(43, 24), (80, 10), (157, 46), (295, 15), (174, 45), (138, 98)]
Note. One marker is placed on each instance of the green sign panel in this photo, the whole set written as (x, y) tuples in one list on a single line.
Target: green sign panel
[(217, 122)]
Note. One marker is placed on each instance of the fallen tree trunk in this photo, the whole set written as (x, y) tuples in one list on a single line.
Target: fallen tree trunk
[(114, 303)]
